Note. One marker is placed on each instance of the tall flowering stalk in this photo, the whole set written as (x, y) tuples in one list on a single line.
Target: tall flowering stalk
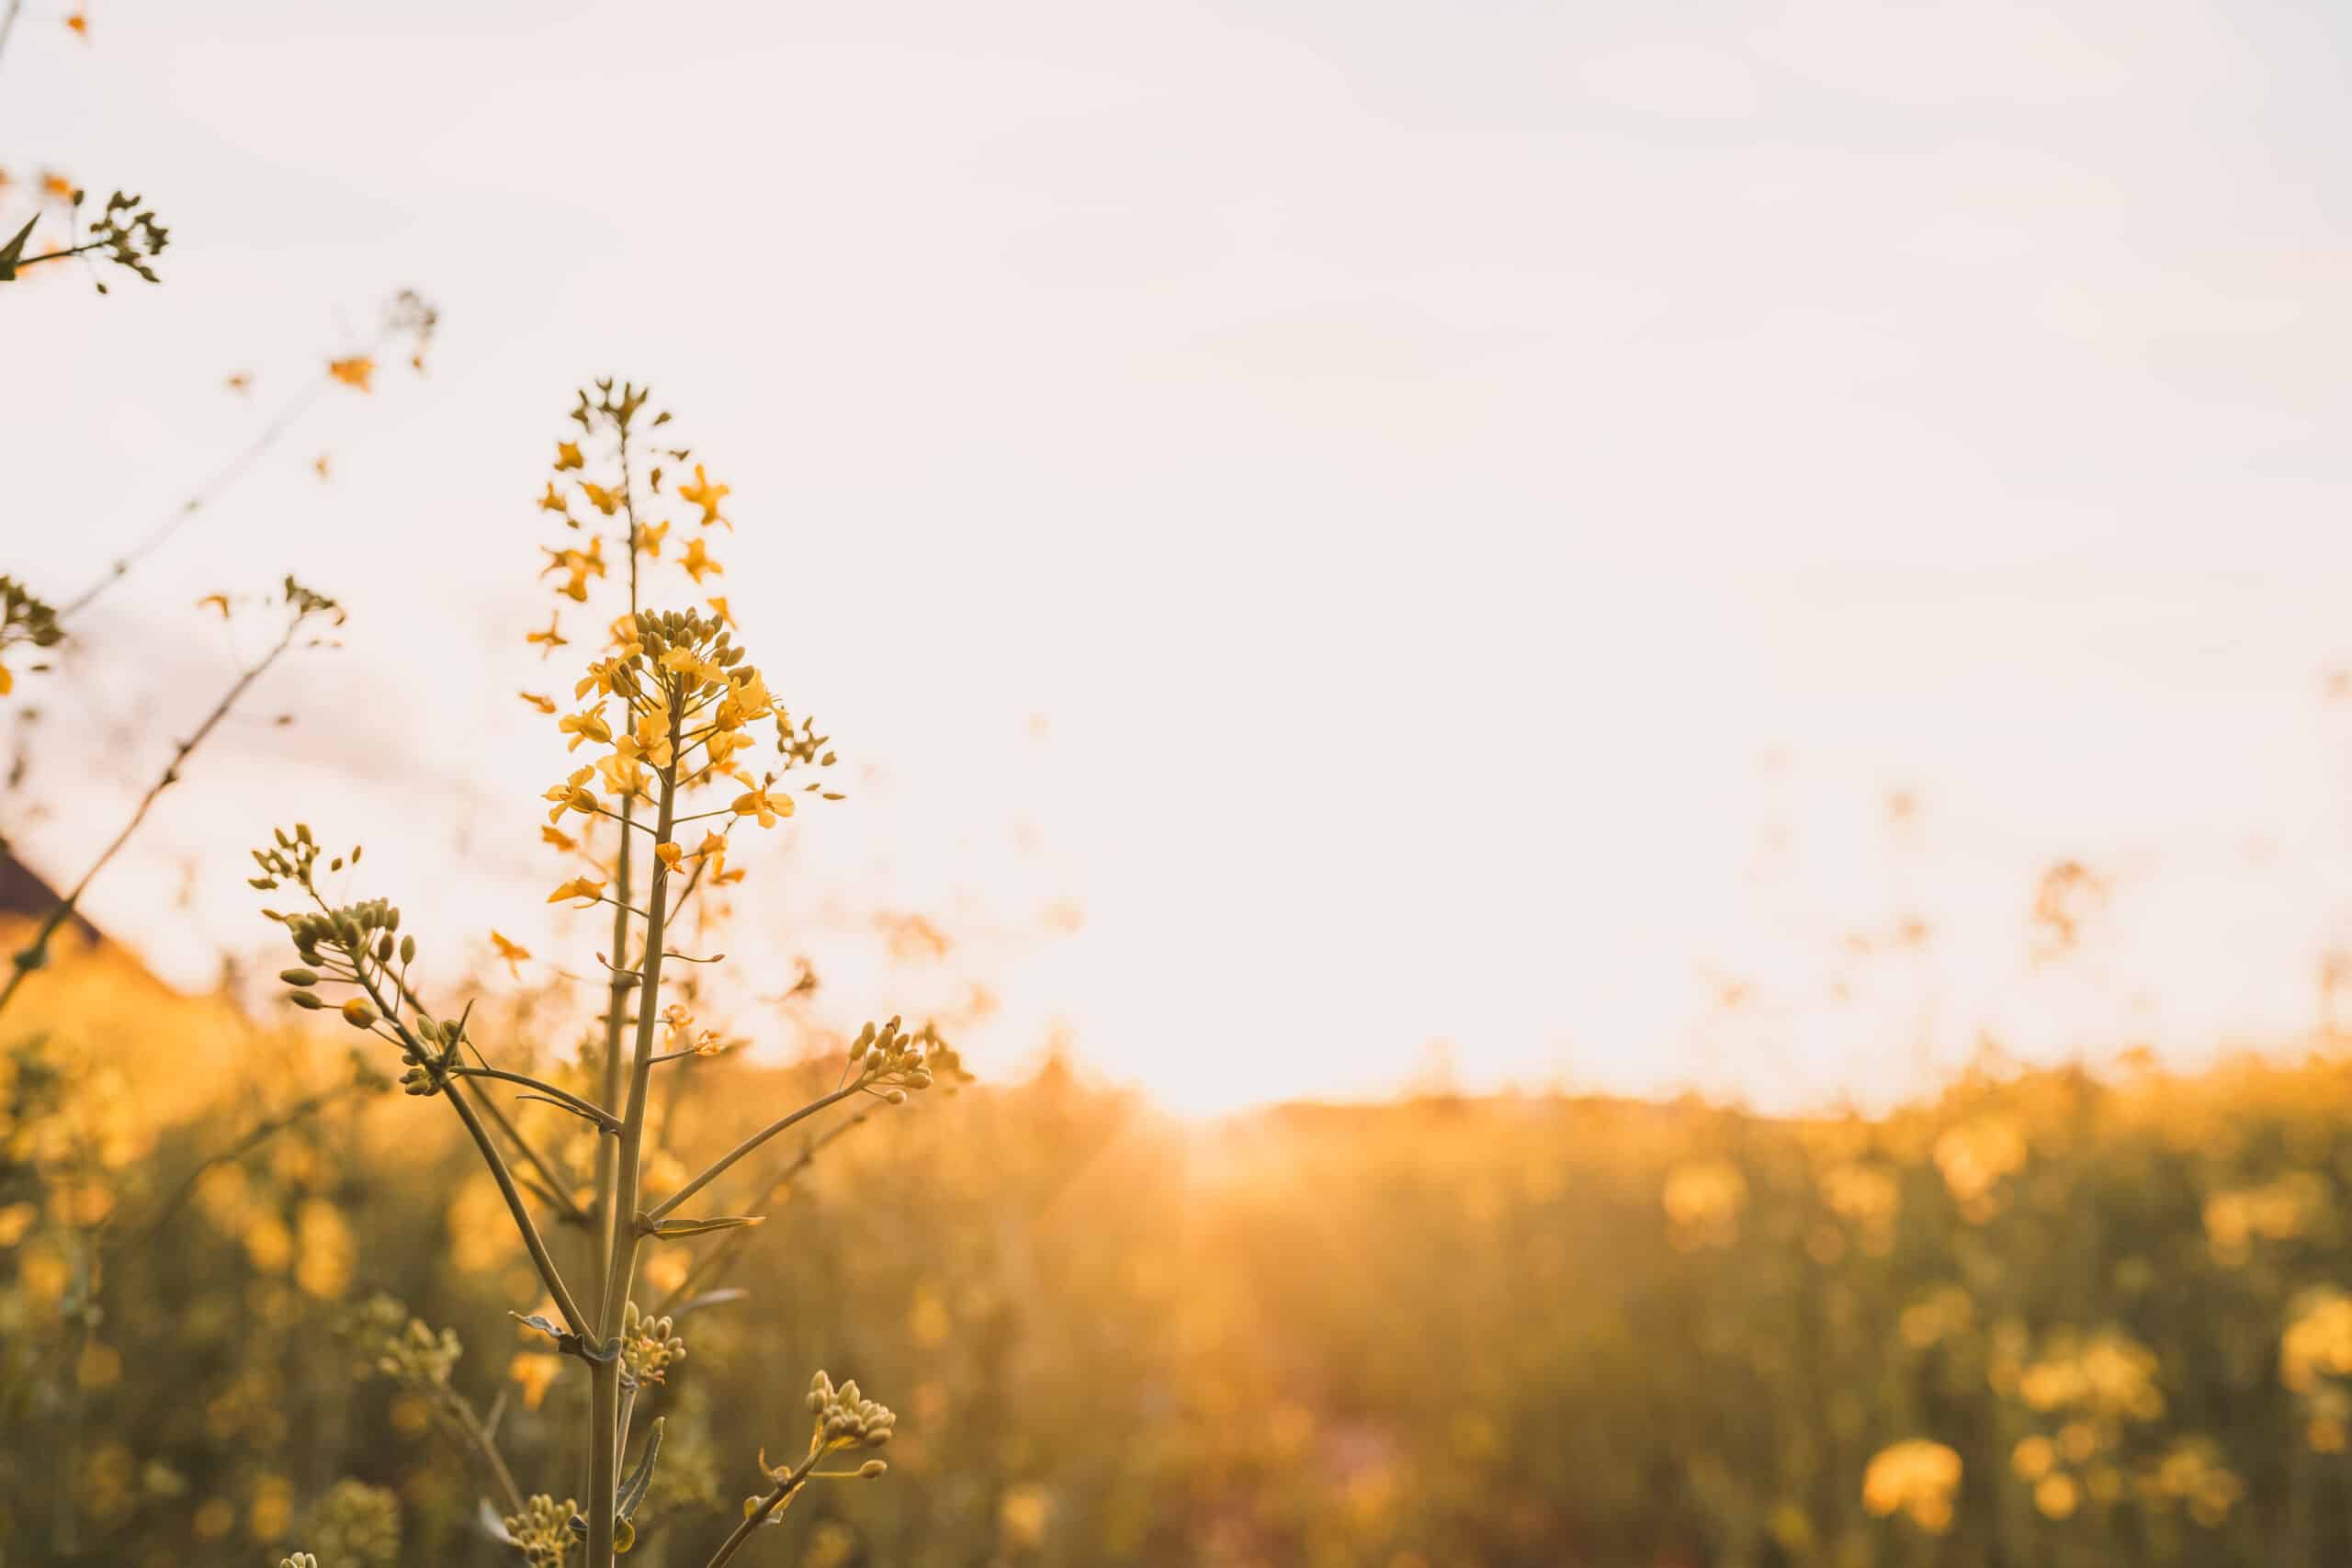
[(671, 714)]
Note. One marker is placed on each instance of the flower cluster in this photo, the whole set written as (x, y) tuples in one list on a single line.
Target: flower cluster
[(893, 1062), (846, 1419), (543, 1530), (357, 1525), (393, 1345), (672, 704), (649, 1346)]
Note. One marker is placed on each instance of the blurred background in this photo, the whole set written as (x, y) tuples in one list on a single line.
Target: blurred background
[(1619, 735)]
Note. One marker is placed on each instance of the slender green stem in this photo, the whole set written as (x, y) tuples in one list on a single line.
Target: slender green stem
[(547, 1184), (36, 952), (462, 1104), (573, 1316), (774, 1499), (603, 1454), (562, 1096), (725, 1162)]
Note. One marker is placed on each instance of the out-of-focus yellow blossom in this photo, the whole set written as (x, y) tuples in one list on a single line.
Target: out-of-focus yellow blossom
[(567, 457), (538, 700), (1977, 1155), (1703, 1200), (2318, 1341), (1918, 1477), (696, 561), (354, 371), (706, 495), (514, 953), (535, 1372), (550, 639)]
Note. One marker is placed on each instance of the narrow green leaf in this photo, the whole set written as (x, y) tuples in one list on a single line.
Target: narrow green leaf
[(671, 1229), (634, 1488)]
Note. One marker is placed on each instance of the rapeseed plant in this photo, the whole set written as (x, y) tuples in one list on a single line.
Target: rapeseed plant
[(673, 711)]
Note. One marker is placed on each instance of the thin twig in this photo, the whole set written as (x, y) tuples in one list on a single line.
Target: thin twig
[(35, 953)]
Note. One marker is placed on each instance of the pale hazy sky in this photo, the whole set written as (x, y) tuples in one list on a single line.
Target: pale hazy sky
[(1426, 521)]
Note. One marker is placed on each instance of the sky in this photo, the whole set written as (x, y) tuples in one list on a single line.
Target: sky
[(1345, 545)]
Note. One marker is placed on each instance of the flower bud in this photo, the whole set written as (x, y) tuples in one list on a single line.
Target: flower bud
[(871, 1468), (299, 976), (408, 949), (359, 1013), (307, 1000)]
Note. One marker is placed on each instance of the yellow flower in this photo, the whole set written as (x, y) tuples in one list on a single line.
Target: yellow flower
[(652, 739), (706, 495), (649, 536), (56, 185), (79, 25), (586, 725), (7, 681), (686, 661), (747, 699), (570, 796), (696, 561), (513, 951), (354, 371), (559, 838), (551, 638), (605, 501), (760, 804), (589, 889), (721, 745), (544, 704), (567, 456), (553, 501), (622, 772), (726, 617), (669, 854)]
